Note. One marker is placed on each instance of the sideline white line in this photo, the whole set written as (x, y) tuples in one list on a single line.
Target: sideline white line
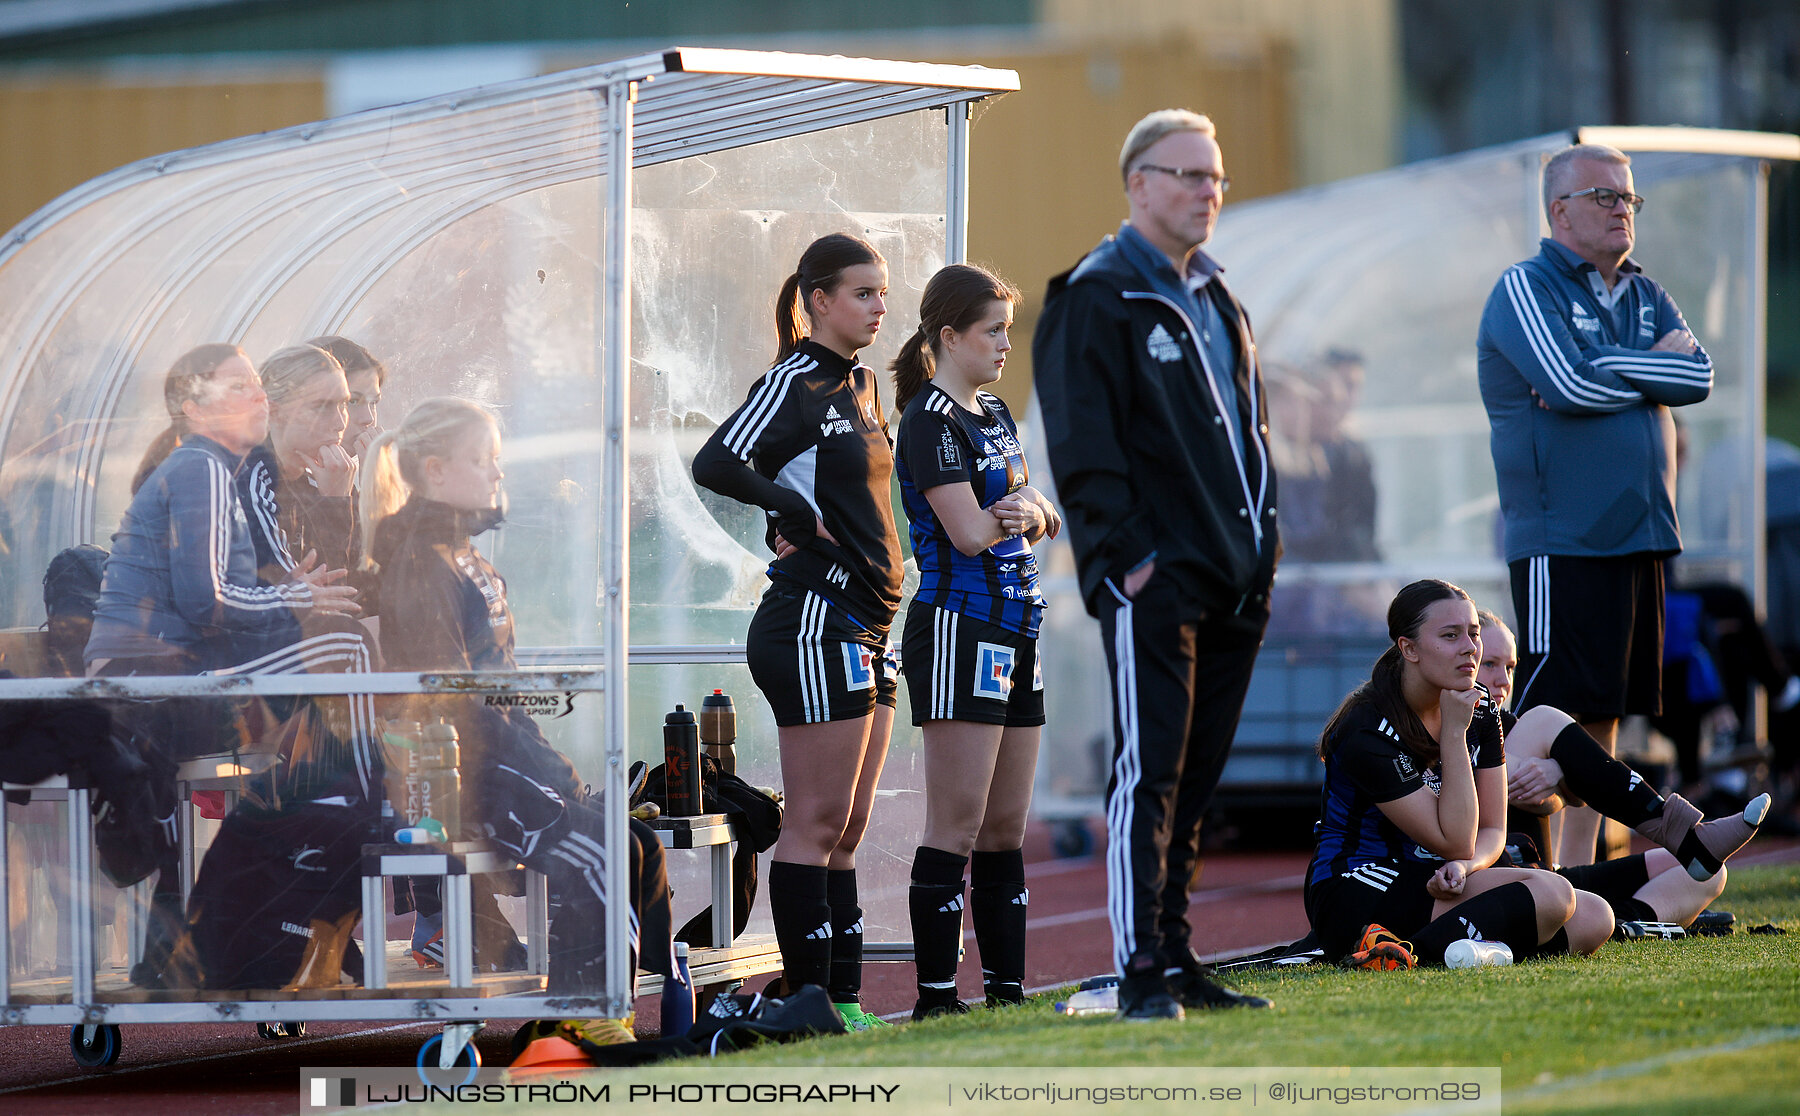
[(284, 1044), (1746, 1041)]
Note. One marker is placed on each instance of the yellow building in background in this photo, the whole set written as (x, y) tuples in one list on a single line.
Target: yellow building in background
[(1302, 91)]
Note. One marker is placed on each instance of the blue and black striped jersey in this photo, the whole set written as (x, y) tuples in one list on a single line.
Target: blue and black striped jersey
[(942, 443), (1366, 766)]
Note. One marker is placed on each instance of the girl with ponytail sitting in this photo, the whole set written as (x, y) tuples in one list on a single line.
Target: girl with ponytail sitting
[(1413, 813)]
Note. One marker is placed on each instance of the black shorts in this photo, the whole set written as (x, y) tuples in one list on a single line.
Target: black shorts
[(813, 663), (959, 668), (1391, 892), (1590, 634)]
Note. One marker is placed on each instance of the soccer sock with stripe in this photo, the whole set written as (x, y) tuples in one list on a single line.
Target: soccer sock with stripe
[(998, 903), (802, 919), (936, 902), (846, 935), (1506, 914), (1601, 781)]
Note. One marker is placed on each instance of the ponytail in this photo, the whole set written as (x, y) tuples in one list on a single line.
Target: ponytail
[(821, 265), (915, 365), (790, 324), (158, 452), (383, 491)]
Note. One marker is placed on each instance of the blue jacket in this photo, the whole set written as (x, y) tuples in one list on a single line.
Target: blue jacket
[(182, 575), (1583, 443)]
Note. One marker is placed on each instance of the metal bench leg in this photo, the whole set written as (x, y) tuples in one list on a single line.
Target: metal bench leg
[(459, 936), (374, 916), (81, 896), (721, 895), (537, 923)]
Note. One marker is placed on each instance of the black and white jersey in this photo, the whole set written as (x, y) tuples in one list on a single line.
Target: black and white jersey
[(942, 443), (1366, 765), (814, 427)]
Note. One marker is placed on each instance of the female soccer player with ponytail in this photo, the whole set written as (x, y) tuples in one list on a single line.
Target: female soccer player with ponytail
[(970, 646), (810, 446)]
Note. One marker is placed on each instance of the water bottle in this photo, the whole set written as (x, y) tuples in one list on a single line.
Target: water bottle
[(400, 745), (678, 996), (718, 730), (681, 764), (1091, 1001), (440, 777)]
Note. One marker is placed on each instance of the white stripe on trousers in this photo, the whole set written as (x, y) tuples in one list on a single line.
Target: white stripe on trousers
[(943, 666), (1121, 807), (330, 653), (815, 695)]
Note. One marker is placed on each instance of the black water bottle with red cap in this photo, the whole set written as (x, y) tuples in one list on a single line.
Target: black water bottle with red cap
[(681, 764), (718, 730)]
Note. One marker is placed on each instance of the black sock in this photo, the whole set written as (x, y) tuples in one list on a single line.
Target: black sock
[(1506, 914), (998, 902), (936, 902), (1603, 782), (1634, 910), (846, 935), (1556, 946), (802, 922)]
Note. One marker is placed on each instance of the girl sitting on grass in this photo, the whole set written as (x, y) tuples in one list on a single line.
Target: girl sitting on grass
[(1413, 813)]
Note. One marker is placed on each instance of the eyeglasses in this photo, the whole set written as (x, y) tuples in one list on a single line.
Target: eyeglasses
[(1606, 199), (1191, 176)]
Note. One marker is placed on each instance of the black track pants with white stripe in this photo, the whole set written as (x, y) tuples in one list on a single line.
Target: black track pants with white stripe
[(1178, 688)]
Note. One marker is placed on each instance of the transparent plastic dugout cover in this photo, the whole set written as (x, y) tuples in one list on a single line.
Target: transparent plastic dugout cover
[(461, 241)]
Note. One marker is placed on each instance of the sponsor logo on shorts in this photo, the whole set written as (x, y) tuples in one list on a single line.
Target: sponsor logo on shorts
[(993, 671), (859, 667)]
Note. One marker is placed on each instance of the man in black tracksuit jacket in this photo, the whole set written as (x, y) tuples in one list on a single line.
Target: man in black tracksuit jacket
[(1153, 407)]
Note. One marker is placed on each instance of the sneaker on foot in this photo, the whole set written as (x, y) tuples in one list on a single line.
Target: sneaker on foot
[(925, 1009), (1379, 949), (1634, 929), (1712, 924), (428, 941), (1145, 997), (1469, 954), (856, 1019), (1194, 988)]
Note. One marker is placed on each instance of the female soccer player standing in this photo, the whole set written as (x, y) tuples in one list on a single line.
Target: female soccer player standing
[(971, 632), (810, 446)]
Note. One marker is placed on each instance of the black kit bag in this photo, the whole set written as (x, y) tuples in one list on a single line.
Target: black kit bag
[(279, 893), (756, 820), (736, 1022)]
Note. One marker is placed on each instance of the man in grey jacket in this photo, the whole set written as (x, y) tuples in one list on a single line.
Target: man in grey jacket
[(1581, 356)]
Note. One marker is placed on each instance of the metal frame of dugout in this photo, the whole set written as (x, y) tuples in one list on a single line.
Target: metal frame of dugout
[(654, 108)]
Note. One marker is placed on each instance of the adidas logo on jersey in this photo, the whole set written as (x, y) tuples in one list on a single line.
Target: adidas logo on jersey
[(831, 412), (1161, 346)]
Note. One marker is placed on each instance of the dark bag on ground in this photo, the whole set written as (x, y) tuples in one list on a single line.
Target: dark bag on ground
[(755, 818), (735, 1022), (278, 894)]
